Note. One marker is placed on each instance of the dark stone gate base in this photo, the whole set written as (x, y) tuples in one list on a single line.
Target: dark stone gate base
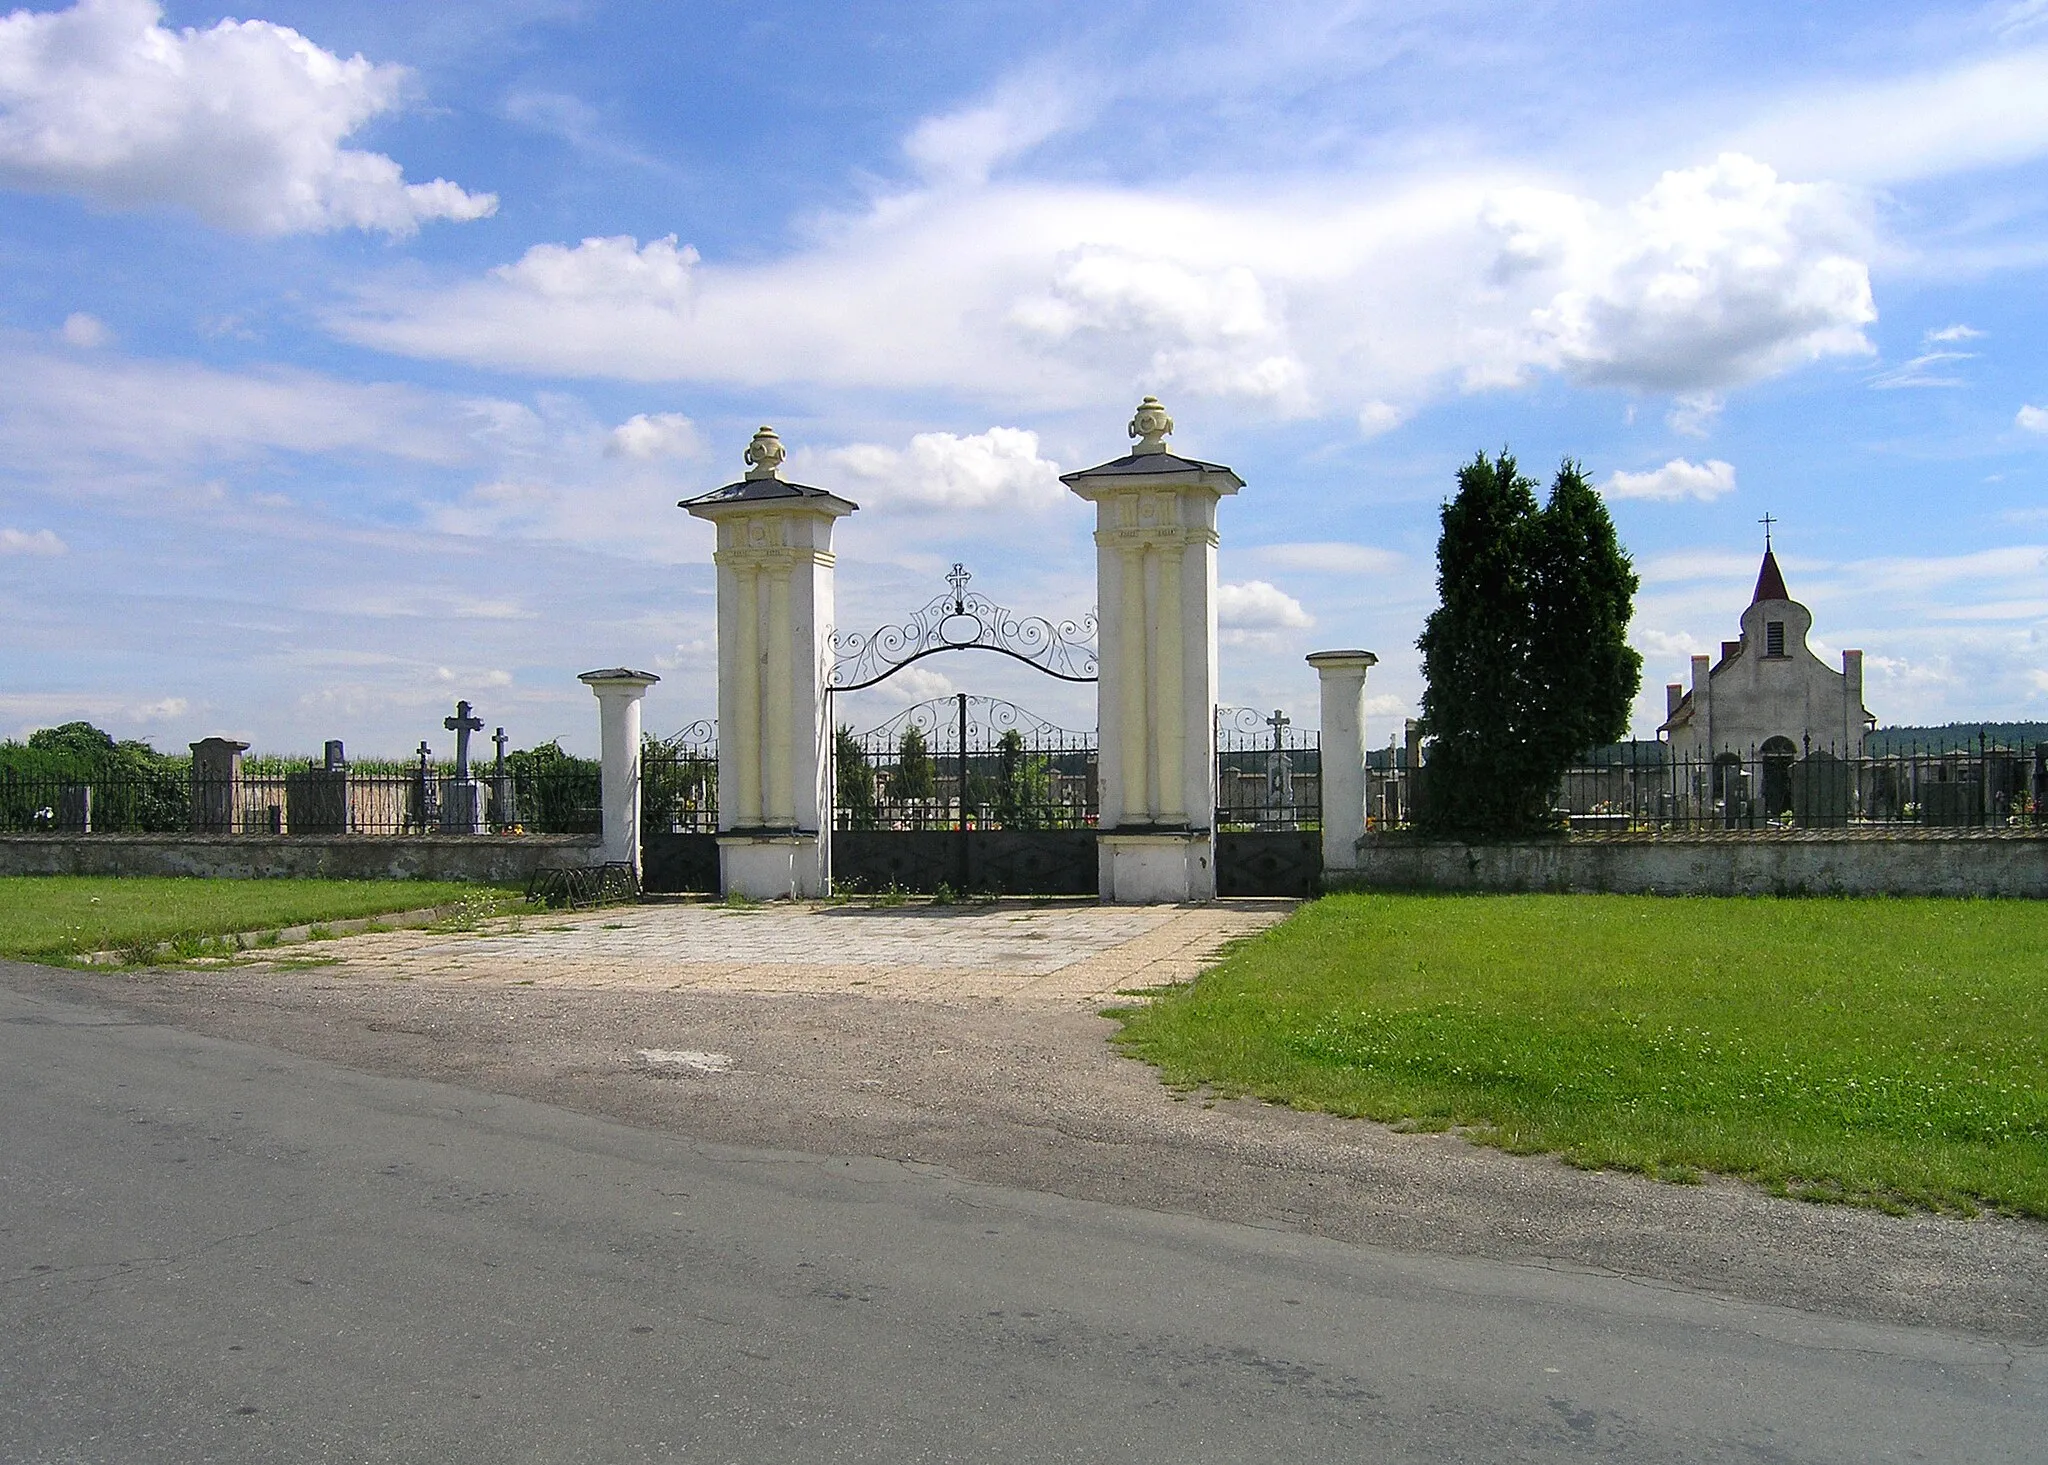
[(674, 864), (983, 861), (1269, 862)]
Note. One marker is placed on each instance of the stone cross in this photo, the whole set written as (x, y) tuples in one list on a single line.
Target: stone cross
[(500, 739), (462, 724), (1279, 723), (1279, 767), (426, 757)]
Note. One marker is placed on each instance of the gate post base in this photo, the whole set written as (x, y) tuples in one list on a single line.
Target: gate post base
[(1160, 867), (784, 865)]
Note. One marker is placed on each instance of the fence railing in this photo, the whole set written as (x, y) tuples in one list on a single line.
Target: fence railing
[(312, 802), (1983, 788), (1011, 770), (1269, 773)]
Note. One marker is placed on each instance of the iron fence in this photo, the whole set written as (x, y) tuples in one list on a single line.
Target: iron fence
[(310, 802), (965, 762), (1269, 773), (1643, 787), (679, 782)]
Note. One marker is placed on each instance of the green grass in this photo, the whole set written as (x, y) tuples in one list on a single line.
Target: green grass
[(54, 917), (1886, 1052)]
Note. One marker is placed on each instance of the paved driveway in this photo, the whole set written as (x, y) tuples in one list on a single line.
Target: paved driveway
[(1077, 955)]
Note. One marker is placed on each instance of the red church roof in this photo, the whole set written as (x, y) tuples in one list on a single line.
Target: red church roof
[(1770, 585)]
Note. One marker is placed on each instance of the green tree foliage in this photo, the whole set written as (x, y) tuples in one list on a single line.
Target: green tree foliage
[(1525, 657), (1023, 790), (135, 788), (855, 783), (914, 778)]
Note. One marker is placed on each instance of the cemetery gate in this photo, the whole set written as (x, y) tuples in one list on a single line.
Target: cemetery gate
[(1269, 809), (964, 793), (679, 811)]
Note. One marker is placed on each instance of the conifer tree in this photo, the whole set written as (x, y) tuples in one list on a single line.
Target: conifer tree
[(1526, 656)]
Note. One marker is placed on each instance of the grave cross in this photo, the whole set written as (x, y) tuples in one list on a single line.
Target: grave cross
[(1279, 723), (500, 739), (462, 724), (426, 757)]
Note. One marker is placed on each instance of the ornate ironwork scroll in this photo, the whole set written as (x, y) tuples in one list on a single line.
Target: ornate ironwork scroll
[(962, 620), (988, 718)]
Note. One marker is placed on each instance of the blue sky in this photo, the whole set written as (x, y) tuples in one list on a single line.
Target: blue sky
[(356, 355)]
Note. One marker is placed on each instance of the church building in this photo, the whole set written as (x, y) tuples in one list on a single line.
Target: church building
[(1768, 696)]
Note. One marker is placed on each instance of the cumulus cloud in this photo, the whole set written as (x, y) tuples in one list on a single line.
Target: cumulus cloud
[(242, 124), (1717, 276), (84, 331), (655, 435), (38, 542), (1259, 606), (1678, 479), (986, 470), (2032, 419), (1281, 296)]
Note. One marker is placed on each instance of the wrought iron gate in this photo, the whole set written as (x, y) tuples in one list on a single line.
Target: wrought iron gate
[(964, 793), (679, 811), (1269, 805)]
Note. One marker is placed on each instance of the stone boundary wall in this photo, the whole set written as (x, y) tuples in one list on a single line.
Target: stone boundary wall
[(1710, 865), (482, 858)]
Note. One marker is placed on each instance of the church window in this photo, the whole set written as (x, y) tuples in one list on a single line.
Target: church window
[(1774, 638)]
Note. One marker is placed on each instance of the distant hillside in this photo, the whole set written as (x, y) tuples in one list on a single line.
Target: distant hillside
[(1955, 735)]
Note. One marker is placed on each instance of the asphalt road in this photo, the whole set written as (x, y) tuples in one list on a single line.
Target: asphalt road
[(218, 1251)]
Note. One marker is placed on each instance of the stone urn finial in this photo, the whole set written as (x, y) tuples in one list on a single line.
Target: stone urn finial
[(765, 454), (1150, 426)]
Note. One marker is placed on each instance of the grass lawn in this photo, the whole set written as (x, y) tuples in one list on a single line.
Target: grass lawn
[(51, 917), (1889, 1052)]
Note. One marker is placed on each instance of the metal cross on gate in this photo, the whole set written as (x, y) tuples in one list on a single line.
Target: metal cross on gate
[(462, 724)]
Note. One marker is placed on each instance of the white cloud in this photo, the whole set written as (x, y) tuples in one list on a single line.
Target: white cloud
[(37, 542), (84, 331), (1695, 413), (1952, 333), (993, 469), (1979, 114), (2032, 419), (162, 710), (1678, 479), (71, 411), (242, 124), (1717, 276), (1375, 418), (1280, 296), (1258, 606), (1928, 369), (965, 146), (655, 435), (1331, 557)]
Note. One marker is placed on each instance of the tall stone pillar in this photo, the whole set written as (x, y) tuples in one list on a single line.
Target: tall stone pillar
[(1155, 559), (619, 690), (774, 561), (1343, 753), (216, 784)]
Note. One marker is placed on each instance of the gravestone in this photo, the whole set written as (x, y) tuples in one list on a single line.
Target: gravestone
[(316, 798), (74, 809), (461, 801), (1821, 784), (504, 801), (1279, 810), (216, 784), (425, 813)]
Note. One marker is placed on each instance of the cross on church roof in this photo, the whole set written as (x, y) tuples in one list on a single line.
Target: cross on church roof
[(1767, 521)]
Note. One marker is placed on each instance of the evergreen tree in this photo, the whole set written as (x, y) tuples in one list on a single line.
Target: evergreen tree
[(1526, 657), (855, 782), (1586, 672), (1023, 788), (914, 776), (1475, 648)]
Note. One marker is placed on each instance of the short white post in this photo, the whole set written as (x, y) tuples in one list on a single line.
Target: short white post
[(619, 690), (774, 561), (1155, 597), (1343, 753)]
